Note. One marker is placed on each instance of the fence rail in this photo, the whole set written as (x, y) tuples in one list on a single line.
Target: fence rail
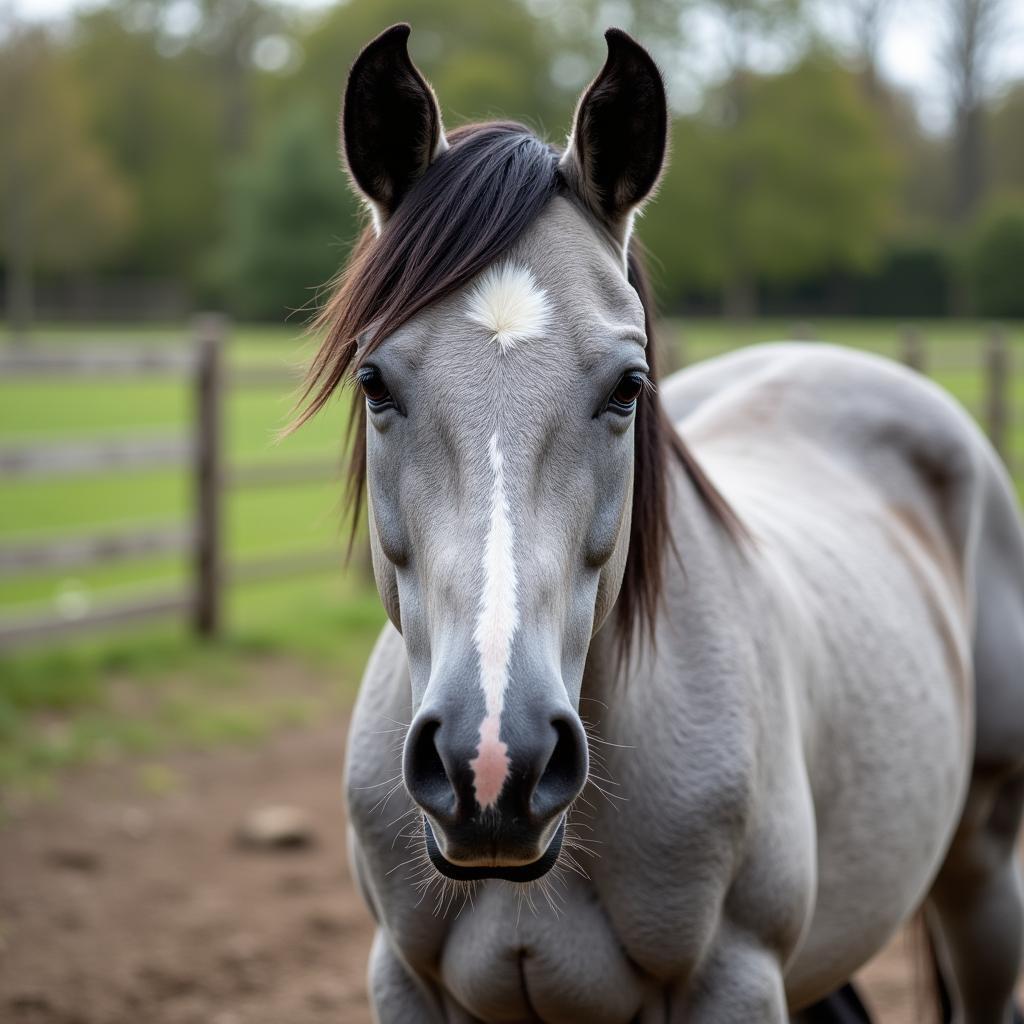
[(29, 629), (95, 549), (95, 361), (80, 459), (201, 539)]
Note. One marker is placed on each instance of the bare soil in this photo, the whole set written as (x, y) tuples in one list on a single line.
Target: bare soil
[(121, 905)]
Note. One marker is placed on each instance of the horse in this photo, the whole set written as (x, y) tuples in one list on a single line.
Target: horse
[(692, 694)]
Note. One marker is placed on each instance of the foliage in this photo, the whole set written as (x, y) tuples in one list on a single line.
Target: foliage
[(995, 258), (56, 182), (167, 119), (156, 117), (802, 182), (914, 278), (290, 218), (1005, 131)]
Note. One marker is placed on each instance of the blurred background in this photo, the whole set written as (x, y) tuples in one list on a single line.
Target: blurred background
[(180, 638)]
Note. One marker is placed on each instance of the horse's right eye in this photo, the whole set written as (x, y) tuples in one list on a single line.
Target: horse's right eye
[(374, 388)]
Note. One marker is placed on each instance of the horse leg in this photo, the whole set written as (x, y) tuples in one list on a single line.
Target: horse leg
[(974, 909), (740, 980), (397, 996), (975, 906)]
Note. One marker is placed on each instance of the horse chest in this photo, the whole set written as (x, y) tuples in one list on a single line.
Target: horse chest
[(603, 955), (502, 958)]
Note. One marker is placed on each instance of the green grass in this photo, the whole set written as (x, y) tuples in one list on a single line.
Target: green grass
[(328, 620)]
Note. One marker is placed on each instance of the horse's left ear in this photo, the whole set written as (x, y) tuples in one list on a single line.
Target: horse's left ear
[(617, 147), (391, 127)]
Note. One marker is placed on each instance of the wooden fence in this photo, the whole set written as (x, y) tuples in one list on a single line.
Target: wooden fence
[(201, 450), (202, 538), (995, 412)]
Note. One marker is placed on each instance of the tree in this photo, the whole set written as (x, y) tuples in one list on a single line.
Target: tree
[(63, 205), (1005, 132), (816, 188), (972, 33), (229, 31), (868, 20), (744, 24), (290, 217), (995, 256)]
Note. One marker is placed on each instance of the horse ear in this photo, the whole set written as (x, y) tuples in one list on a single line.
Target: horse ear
[(617, 147), (390, 124)]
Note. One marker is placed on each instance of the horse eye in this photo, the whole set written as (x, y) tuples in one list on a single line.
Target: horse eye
[(627, 391), (374, 388)]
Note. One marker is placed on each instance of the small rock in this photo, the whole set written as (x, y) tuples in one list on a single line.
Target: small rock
[(325, 924), (29, 1001), (74, 858), (276, 828)]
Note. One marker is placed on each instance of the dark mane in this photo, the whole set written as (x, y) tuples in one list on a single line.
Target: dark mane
[(470, 206)]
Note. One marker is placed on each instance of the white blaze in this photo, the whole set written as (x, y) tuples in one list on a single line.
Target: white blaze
[(496, 624), (509, 304)]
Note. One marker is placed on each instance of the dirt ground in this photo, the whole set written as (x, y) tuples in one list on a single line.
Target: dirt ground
[(120, 904)]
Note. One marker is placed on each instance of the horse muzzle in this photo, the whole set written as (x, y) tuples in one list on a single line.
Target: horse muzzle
[(494, 799)]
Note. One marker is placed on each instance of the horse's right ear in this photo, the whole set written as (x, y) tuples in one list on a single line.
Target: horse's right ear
[(390, 124)]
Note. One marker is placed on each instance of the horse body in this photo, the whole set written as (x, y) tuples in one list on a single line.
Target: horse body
[(803, 735), (788, 594)]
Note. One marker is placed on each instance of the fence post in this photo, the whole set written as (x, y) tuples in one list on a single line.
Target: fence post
[(912, 350), (210, 331), (997, 364)]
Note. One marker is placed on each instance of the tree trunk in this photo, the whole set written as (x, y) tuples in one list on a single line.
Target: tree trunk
[(969, 172), (739, 296), (18, 258)]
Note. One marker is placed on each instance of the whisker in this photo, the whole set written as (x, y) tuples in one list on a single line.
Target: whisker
[(377, 785)]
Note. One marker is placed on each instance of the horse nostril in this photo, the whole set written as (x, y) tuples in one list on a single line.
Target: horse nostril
[(425, 775), (565, 773)]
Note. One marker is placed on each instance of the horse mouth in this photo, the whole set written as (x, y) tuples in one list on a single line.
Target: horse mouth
[(516, 873)]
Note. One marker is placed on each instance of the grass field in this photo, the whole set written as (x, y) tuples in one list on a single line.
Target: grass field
[(330, 617)]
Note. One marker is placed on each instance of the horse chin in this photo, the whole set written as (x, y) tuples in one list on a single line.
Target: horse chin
[(518, 873)]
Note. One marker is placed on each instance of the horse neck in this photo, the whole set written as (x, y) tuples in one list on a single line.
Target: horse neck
[(703, 553)]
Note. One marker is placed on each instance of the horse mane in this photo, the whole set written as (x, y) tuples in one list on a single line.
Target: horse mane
[(469, 207)]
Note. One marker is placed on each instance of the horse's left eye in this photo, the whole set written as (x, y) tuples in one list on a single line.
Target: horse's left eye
[(627, 391)]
